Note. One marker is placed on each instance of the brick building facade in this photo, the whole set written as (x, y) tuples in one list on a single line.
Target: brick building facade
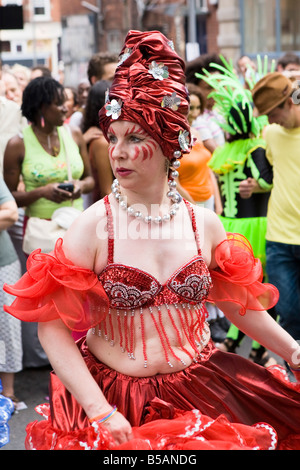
[(70, 31)]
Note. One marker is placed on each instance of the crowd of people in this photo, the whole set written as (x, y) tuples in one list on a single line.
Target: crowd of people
[(175, 187)]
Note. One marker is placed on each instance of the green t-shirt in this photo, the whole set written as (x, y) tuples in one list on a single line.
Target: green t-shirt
[(8, 253), (39, 168)]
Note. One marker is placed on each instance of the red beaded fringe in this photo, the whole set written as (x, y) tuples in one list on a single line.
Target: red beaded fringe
[(190, 317)]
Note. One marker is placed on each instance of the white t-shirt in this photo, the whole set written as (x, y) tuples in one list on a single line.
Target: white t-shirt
[(208, 127)]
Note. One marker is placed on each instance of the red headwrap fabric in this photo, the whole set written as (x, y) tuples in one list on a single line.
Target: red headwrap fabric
[(149, 88)]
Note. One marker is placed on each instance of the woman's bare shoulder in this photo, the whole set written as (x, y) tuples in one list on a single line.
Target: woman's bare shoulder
[(86, 239), (210, 228), (16, 143)]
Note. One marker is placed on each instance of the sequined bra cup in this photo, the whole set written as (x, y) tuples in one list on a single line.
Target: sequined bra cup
[(129, 288), (133, 292)]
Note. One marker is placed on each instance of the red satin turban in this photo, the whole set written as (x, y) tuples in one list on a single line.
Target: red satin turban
[(149, 88)]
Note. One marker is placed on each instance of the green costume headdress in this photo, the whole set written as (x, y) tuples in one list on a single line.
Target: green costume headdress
[(233, 102), (262, 70)]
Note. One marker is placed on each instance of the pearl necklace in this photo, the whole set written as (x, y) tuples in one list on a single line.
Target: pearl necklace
[(172, 194)]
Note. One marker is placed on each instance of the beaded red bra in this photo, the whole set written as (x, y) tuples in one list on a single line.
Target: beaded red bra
[(128, 287), (134, 292)]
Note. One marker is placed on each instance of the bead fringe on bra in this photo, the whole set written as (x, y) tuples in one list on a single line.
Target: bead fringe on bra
[(191, 319)]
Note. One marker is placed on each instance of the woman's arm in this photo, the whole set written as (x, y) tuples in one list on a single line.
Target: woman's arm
[(8, 214), (261, 327), (86, 183), (210, 145), (57, 340), (71, 369), (99, 156), (258, 325), (91, 134), (218, 201)]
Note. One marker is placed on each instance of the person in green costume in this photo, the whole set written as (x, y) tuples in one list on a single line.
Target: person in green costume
[(241, 164)]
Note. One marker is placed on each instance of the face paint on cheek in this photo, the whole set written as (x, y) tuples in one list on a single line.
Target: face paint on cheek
[(146, 152), (149, 148), (136, 152), (111, 149)]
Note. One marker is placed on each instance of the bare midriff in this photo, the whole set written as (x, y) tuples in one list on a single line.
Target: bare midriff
[(150, 340)]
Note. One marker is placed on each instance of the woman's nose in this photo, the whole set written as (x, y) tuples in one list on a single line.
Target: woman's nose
[(117, 150)]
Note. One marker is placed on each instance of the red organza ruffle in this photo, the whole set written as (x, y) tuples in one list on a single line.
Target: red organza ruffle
[(166, 426), (238, 277), (53, 288), (167, 429)]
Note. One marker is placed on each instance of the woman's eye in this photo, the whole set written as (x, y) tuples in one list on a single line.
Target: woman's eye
[(112, 139), (135, 139)]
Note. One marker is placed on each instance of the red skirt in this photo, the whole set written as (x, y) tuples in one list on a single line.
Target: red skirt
[(222, 402)]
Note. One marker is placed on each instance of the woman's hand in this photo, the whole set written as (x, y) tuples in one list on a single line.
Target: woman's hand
[(248, 187), (77, 193), (119, 428), (53, 193)]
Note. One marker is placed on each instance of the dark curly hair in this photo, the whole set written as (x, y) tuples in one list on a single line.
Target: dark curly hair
[(199, 64), (95, 101), (41, 91)]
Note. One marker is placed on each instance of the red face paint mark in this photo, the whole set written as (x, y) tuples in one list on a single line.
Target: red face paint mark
[(111, 131), (132, 130), (111, 149), (111, 146), (148, 149), (141, 131)]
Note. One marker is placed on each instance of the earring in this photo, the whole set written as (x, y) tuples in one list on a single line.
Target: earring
[(173, 173), (42, 121)]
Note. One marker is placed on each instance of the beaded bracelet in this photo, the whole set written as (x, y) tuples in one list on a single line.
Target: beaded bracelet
[(104, 417)]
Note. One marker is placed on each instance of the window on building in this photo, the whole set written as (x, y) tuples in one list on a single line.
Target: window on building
[(259, 26), (5, 46), (290, 25), (41, 9), (114, 42), (270, 26), (201, 4)]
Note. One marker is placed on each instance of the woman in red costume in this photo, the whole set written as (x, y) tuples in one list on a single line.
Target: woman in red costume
[(136, 270)]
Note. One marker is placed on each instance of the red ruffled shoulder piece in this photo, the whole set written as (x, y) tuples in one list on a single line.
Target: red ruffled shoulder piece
[(53, 287), (238, 277)]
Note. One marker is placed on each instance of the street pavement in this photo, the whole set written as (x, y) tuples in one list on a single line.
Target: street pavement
[(31, 387)]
